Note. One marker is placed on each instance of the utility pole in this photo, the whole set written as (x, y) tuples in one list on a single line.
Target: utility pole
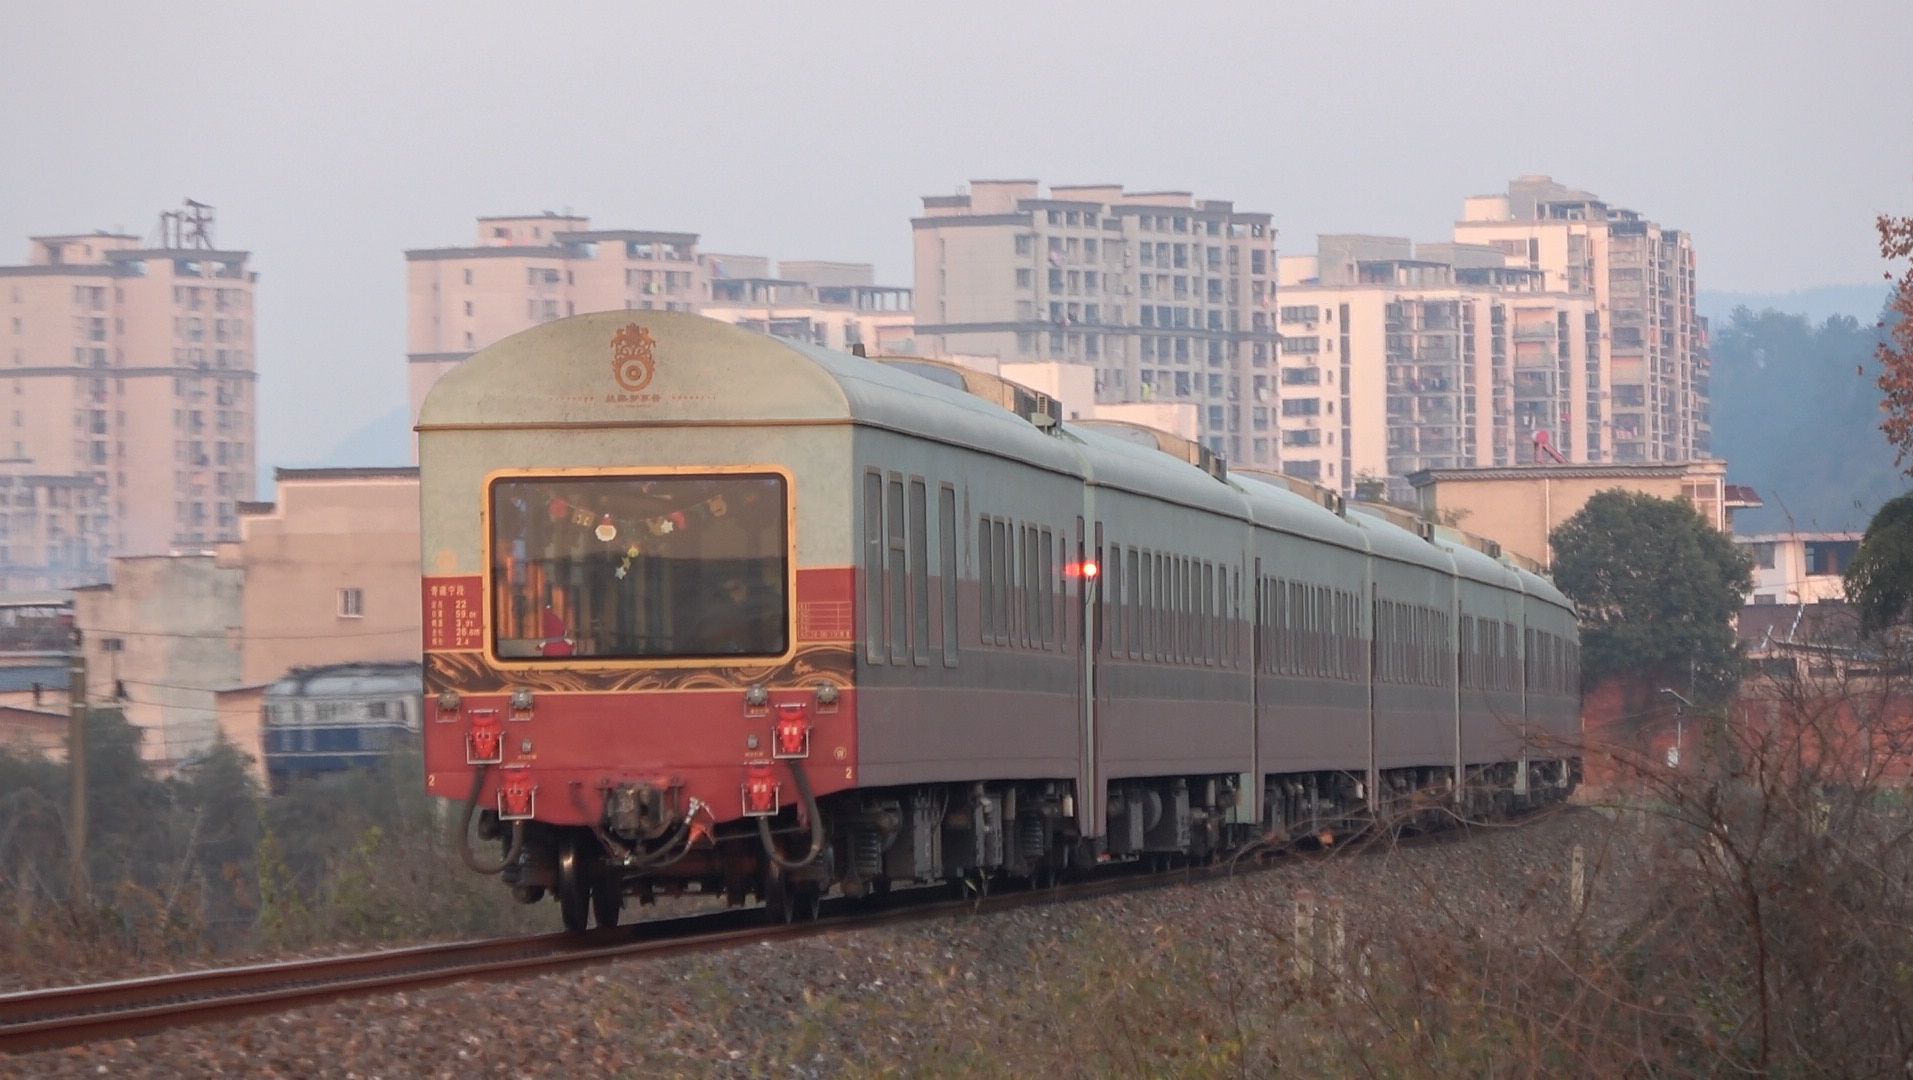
[(77, 885)]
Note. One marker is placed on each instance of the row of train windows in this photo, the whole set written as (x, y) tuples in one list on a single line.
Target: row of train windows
[(1311, 631), (1411, 644), (1020, 579), (898, 621), (1489, 660), (1554, 663), (1171, 608), (1160, 607)]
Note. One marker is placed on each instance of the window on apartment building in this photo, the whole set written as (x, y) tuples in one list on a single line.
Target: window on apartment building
[(351, 603), (1026, 278), (1763, 553), (1830, 556)]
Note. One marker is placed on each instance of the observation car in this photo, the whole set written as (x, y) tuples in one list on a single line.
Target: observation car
[(706, 609)]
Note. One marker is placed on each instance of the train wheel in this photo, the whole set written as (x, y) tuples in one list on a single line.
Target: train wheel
[(607, 897), (806, 902), (574, 883), (777, 896)]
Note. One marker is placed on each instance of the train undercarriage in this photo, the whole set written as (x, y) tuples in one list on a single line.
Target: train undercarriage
[(969, 837)]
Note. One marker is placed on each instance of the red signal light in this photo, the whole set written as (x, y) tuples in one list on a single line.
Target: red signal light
[(1088, 570), (1091, 570)]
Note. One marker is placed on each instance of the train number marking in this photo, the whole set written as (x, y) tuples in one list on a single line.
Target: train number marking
[(850, 772)]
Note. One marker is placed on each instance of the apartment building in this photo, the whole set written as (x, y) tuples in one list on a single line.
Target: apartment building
[(1794, 568), (834, 305), (526, 270), (1165, 296), (1648, 379), (1399, 357), (126, 399), (530, 269)]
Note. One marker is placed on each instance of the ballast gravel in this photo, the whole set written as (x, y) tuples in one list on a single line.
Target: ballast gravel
[(1163, 980)]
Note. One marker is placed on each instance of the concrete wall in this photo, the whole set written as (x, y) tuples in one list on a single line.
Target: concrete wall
[(326, 534), (167, 629)]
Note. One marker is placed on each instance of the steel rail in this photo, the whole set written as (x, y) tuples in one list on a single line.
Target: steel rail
[(70, 1015)]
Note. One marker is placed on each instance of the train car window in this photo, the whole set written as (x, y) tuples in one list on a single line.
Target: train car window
[(1199, 613), (896, 613), (1333, 599), (1264, 642), (640, 567), (1177, 608), (1384, 642), (1132, 606), (1278, 627), (947, 564), (1005, 582), (1303, 629), (986, 582), (1464, 661), (1142, 645), (1046, 573), (1318, 633), (919, 573), (873, 567), (1209, 614), (1231, 643), (1165, 604), (1035, 589), (1113, 600)]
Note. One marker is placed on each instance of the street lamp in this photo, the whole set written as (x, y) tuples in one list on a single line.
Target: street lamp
[(1674, 755)]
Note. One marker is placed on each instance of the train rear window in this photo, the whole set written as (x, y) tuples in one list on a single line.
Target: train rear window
[(640, 567)]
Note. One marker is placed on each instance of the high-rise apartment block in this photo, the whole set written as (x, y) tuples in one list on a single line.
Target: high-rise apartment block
[(1552, 329), (531, 269), (1397, 358), (1648, 385), (1167, 297), (129, 368)]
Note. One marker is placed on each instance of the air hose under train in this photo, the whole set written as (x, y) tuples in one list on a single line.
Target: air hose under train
[(464, 839), (816, 823)]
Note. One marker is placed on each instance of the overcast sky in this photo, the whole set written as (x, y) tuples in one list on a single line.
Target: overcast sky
[(332, 136)]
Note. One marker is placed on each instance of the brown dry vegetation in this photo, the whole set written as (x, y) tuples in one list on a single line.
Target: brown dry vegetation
[(1749, 913)]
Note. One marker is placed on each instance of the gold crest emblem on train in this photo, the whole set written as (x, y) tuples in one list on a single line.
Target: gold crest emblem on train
[(633, 357)]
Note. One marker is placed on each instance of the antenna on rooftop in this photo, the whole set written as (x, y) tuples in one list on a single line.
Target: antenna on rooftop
[(188, 227)]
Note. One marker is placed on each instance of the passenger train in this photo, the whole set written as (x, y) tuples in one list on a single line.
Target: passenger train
[(711, 610)]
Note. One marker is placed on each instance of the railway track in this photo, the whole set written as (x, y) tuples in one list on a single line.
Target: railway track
[(66, 1016)]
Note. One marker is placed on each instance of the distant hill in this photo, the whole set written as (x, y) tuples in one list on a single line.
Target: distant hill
[(1863, 302), (383, 441), (1796, 413)]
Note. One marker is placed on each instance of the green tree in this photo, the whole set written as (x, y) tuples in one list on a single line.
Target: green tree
[(1879, 584), (1656, 586), (1896, 344), (220, 801)]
